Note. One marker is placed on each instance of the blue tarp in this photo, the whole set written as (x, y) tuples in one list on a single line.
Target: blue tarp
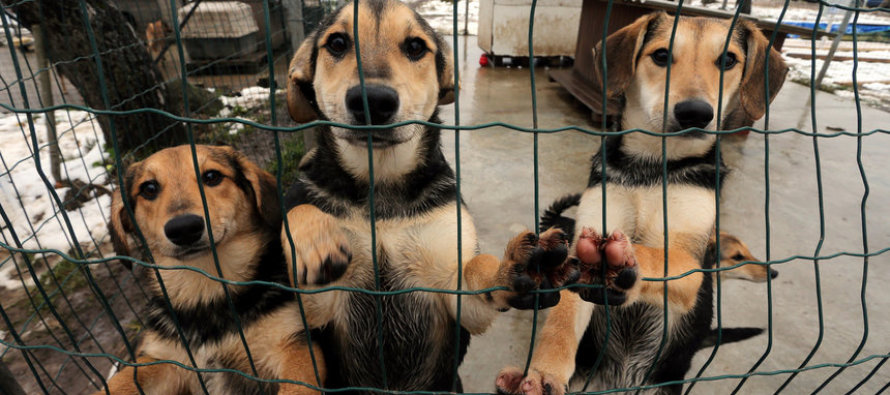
[(860, 28)]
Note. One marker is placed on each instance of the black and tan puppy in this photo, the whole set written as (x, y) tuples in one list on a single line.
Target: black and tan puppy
[(627, 240), (408, 73), (245, 223)]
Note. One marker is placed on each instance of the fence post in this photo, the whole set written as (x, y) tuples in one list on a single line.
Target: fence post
[(46, 96), (834, 44)]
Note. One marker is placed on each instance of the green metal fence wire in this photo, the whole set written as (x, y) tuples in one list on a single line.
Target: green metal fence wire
[(73, 334)]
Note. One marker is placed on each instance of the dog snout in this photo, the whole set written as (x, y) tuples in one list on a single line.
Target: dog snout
[(693, 114), (383, 102), (184, 230)]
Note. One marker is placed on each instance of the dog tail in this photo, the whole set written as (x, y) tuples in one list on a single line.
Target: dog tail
[(553, 217), (730, 335)]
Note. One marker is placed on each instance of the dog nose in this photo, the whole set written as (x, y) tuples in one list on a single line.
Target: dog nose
[(773, 273), (383, 102), (693, 114), (185, 229)]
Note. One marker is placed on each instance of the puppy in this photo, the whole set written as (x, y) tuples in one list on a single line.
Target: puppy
[(245, 221), (733, 251), (626, 241), (408, 72)]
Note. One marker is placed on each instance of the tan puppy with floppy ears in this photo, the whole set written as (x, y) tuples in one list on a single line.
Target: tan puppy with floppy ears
[(408, 73), (632, 242), (245, 217)]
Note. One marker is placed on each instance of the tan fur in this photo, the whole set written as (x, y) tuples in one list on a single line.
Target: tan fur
[(637, 82), (237, 218), (734, 251), (315, 237), (427, 257)]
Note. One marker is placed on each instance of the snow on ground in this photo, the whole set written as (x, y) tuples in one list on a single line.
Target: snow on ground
[(440, 15), (839, 77), (248, 98), (26, 198)]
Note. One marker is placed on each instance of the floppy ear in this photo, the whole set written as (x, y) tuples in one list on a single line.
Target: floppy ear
[(119, 225), (621, 52), (265, 190), (300, 94), (445, 63), (752, 95)]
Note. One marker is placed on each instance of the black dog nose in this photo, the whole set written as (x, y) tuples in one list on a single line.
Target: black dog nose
[(185, 229), (693, 114), (773, 273), (383, 102)]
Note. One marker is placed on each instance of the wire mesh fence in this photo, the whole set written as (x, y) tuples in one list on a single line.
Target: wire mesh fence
[(806, 187)]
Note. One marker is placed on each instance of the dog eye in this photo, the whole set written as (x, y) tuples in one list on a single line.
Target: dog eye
[(337, 44), (414, 48), (730, 60), (212, 178), (149, 190), (738, 257), (660, 57)]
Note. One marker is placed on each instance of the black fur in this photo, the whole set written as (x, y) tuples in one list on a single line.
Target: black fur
[(414, 360), (328, 186), (210, 322), (630, 171)]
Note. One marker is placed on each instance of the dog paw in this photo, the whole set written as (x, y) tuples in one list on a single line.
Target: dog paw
[(321, 250), (511, 381), (537, 263), (607, 261)]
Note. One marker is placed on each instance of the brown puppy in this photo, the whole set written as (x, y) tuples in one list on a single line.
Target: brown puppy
[(408, 73), (244, 214), (734, 251), (629, 237)]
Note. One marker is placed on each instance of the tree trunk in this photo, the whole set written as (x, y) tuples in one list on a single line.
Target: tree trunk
[(130, 79)]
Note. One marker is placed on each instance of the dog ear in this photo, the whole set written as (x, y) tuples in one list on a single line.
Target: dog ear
[(751, 92), (300, 95), (445, 65), (621, 52), (120, 225), (265, 190)]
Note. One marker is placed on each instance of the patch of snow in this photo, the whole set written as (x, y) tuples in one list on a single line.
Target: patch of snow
[(440, 15), (26, 198), (250, 97)]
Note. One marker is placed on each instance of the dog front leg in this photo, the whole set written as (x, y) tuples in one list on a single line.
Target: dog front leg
[(319, 253), (297, 366), (553, 362), (162, 378)]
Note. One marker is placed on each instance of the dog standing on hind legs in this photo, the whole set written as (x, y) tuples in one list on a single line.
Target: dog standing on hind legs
[(633, 240), (244, 208), (408, 72)]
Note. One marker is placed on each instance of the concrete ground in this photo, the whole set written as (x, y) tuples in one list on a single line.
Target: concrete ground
[(497, 181)]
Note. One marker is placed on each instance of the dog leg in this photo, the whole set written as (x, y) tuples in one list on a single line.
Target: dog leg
[(161, 378), (322, 252), (530, 263), (553, 362), (297, 366)]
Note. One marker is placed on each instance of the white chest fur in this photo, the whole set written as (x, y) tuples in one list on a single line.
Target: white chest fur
[(640, 211)]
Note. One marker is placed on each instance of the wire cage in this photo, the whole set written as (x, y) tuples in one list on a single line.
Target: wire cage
[(806, 190)]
